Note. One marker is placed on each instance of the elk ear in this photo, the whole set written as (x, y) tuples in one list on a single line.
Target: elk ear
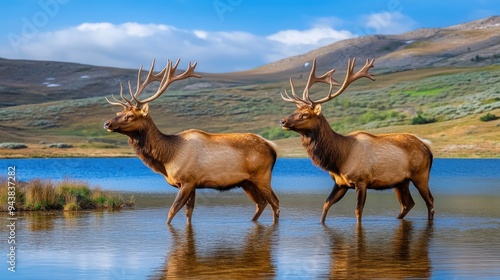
[(317, 109), (145, 109)]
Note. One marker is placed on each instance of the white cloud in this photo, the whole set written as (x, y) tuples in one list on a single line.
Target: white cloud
[(387, 23), (311, 36), (133, 44), (293, 42), (200, 34)]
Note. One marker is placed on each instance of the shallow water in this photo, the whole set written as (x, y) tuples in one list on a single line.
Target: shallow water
[(457, 176), (462, 241)]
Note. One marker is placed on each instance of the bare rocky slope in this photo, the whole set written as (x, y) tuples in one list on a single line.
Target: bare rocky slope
[(475, 43), (470, 44)]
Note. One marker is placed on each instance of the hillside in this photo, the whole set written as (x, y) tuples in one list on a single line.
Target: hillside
[(438, 77), (470, 44)]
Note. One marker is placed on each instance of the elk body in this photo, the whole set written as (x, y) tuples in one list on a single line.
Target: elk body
[(195, 159), (359, 160)]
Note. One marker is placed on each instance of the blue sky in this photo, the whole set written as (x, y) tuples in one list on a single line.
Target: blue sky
[(222, 35)]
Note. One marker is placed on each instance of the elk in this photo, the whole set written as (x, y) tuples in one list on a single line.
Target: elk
[(359, 160), (244, 256), (193, 158)]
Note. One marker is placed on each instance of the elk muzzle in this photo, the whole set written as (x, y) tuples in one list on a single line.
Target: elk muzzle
[(284, 124), (108, 126)]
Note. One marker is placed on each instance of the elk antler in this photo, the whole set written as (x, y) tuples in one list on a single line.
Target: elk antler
[(327, 78), (166, 76)]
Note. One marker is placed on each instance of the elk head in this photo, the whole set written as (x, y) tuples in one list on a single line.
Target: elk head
[(308, 111), (135, 114)]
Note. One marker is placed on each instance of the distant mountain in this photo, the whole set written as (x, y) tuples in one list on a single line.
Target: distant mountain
[(30, 82), (453, 83), (475, 43), (26, 81)]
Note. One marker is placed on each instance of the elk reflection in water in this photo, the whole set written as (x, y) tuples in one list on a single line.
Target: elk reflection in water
[(368, 255), (362, 253), (249, 258)]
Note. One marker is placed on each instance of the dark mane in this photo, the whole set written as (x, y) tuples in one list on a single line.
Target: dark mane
[(145, 145), (323, 146)]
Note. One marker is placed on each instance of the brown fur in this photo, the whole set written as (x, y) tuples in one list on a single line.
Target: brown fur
[(196, 159), (364, 161)]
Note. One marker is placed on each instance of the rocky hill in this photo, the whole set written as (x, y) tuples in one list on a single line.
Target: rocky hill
[(448, 78), (470, 44)]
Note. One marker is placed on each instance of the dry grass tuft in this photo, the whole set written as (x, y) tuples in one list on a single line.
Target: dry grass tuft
[(67, 195)]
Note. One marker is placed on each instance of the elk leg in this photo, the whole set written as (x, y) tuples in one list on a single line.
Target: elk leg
[(360, 200), (256, 197), (266, 191), (422, 186), (190, 206), (336, 195), (276, 211), (180, 200), (402, 191)]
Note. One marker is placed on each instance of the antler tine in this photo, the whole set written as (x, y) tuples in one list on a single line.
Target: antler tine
[(174, 68), (166, 77), (295, 99), (150, 78), (287, 97), (139, 74), (123, 97), (118, 102), (325, 78), (312, 76), (349, 78)]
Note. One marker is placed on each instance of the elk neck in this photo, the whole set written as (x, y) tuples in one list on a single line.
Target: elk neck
[(325, 147), (153, 147)]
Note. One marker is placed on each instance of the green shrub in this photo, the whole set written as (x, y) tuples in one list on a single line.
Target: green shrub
[(421, 119), (488, 117), (273, 133), (99, 198), (114, 201)]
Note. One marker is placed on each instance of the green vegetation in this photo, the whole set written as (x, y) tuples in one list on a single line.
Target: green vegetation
[(67, 195), (425, 92), (273, 133), (376, 116), (421, 119), (252, 104), (488, 117)]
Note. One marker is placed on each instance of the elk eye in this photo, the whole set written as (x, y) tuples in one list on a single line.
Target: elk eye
[(128, 117), (304, 116)]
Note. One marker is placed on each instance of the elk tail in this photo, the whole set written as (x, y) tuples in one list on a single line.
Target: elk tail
[(273, 148), (428, 145)]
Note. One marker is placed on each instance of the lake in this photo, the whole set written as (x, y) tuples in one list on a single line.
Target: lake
[(462, 242)]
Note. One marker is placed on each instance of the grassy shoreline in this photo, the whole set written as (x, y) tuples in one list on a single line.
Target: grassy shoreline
[(287, 148), (65, 195), (453, 151), (466, 137)]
